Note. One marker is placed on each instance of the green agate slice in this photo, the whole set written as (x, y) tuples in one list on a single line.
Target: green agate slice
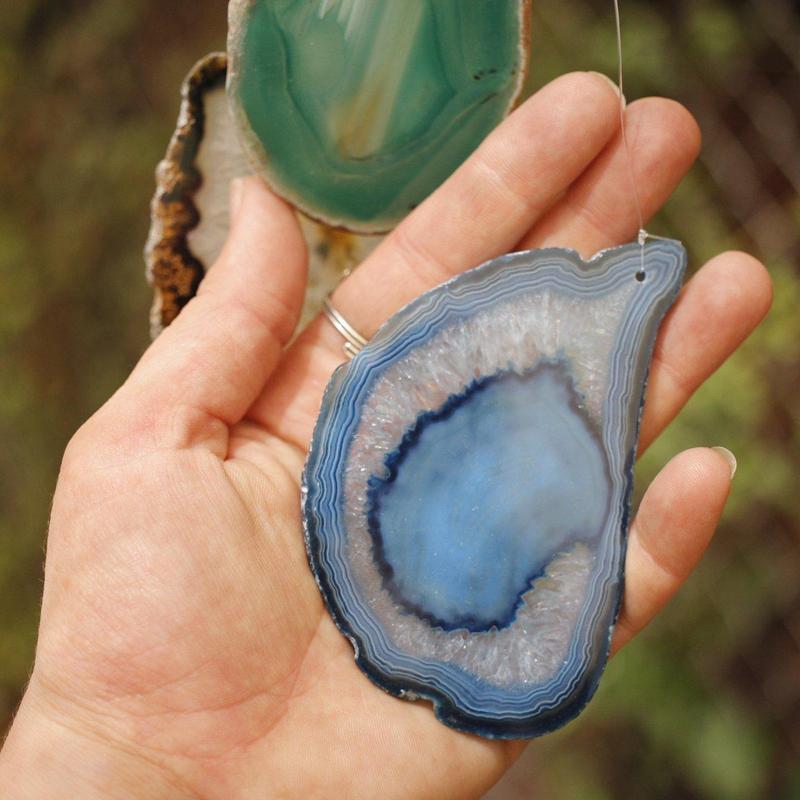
[(356, 110)]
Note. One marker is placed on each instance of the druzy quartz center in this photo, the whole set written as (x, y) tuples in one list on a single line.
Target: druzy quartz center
[(530, 481), (467, 493)]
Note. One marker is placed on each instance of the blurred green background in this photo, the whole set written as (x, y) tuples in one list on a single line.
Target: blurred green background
[(707, 703)]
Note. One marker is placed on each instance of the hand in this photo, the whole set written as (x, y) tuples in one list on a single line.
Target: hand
[(184, 650)]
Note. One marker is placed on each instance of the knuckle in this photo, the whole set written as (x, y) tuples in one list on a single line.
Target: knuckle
[(497, 176), (418, 258), (185, 426)]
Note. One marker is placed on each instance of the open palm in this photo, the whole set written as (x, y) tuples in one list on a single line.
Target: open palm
[(183, 638)]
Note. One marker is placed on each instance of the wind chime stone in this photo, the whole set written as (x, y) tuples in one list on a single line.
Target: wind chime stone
[(190, 208), (467, 494), (357, 110), (412, 96)]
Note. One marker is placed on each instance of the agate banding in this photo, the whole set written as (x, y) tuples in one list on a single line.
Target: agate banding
[(467, 493), (431, 77), (456, 580), (190, 207), (173, 269), (355, 110)]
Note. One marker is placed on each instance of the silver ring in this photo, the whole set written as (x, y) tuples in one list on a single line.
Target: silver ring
[(354, 342)]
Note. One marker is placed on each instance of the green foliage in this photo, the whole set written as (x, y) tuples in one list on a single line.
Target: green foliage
[(716, 33)]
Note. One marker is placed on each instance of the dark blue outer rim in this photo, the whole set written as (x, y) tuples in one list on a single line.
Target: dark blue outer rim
[(444, 709)]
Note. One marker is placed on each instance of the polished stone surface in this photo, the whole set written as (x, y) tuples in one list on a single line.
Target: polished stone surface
[(531, 490), (190, 218), (467, 494), (357, 110)]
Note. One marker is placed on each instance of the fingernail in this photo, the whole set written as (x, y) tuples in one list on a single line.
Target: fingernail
[(613, 85), (236, 196), (729, 457)]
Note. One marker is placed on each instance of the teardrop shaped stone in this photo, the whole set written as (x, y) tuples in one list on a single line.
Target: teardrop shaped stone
[(467, 493)]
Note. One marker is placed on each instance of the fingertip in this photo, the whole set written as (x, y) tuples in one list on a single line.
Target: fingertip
[(729, 458), (593, 88), (722, 304), (680, 119), (667, 127), (607, 83), (748, 276), (577, 100), (253, 200), (552, 137), (699, 467), (716, 311), (692, 489), (673, 527)]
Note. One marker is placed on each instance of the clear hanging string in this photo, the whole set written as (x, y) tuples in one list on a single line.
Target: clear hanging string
[(623, 125), (643, 234)]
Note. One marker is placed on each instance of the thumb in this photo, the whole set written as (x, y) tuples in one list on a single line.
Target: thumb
[(212, 362)]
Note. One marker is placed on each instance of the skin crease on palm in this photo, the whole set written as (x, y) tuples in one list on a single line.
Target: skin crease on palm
[(184, 650)]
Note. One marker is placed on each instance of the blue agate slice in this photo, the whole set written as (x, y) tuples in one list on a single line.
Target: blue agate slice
[(467, 494)]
